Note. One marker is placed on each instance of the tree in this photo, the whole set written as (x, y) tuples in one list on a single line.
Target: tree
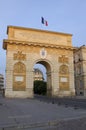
[(40, 87)]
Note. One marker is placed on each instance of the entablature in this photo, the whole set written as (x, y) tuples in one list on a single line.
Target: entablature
[(6, 42)]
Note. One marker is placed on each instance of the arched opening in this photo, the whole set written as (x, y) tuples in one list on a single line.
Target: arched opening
[(45, 68)]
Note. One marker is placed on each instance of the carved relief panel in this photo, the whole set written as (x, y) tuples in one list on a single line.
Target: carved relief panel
[(19, 56), (19, 77), (63, 77), (63, 59)]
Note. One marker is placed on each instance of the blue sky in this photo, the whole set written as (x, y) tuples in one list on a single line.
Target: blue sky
[(68, 16)]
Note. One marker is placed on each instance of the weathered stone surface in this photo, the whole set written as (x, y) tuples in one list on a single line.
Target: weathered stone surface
[(30, 46)]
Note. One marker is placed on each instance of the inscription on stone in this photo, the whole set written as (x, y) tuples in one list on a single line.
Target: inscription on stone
[(19, 78), (62, 79)]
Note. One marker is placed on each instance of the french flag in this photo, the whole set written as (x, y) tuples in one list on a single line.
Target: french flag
[(43, 21)]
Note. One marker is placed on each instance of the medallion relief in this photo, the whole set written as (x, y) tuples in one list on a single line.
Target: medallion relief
[(63, 69), (19, 68), (43, 53)]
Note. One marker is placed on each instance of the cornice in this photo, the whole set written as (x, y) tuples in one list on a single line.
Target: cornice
[(77, 49), (6, 42)]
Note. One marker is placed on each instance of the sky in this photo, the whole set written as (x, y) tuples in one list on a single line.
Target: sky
[(67, 16)]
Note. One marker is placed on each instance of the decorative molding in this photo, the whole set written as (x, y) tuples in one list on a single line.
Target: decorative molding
[(35, 44)]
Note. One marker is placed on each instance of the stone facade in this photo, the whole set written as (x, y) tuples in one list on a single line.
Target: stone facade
[(80, 70), (24, 48)]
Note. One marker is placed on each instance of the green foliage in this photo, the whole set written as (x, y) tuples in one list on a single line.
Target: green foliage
[(40, 87)]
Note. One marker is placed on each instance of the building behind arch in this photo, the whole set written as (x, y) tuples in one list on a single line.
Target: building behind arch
[(80, 70), (38, 74)]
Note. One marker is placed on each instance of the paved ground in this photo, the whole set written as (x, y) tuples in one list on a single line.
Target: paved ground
[(34, 114), (77, 102)]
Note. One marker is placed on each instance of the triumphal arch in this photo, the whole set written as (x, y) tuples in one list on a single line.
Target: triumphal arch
[(24, 48)]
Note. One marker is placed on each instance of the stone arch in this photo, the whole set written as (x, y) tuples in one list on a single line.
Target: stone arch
[(47, 63), (19, 76), (64, 77), (49, 69), (30, 46)]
